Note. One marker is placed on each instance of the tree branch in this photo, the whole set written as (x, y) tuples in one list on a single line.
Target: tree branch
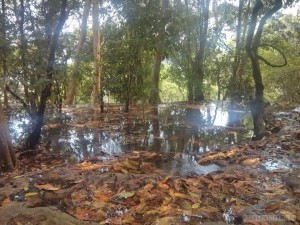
[(267, 62), (25, 105), (267, 15)]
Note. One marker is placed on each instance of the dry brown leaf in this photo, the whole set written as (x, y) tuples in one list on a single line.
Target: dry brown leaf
[(89, 215), (84, 166), (166, 220), (174, 194), (47, 187), (6, 202), (273, 207), (251, 162), (288, 215)]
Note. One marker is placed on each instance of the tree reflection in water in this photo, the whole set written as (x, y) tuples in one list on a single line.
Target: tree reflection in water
[(174, 128)]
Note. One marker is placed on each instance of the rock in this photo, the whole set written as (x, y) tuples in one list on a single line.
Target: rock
[(17, 213), (292, 180)]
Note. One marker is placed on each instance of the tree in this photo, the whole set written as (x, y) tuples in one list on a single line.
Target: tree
[(159, 52), (253, 42), (4, 50), (97, 97), (7, 153), (198, 67), (34, 136), (75, 74)]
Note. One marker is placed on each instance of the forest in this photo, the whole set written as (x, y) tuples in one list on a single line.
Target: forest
[(149, 111)]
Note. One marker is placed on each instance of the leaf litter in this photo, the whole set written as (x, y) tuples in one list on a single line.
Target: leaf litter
[(132, 189)]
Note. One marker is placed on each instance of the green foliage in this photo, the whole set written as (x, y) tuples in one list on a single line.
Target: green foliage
[(130, 37), (281, 83), (172, 85)]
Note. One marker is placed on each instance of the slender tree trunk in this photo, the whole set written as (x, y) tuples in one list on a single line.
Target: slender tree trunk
[(35, 135), (97, 98), (200, 55), (75, 74), (235, 83), (7, 154), (154, 95), (154, 91), (3, 48), (23, 49), (190, 80), (252, 44)]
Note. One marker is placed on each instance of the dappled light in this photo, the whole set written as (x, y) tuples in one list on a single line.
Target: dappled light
[(149, 112)]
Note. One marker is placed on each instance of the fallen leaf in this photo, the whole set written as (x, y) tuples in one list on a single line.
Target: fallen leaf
[(47, 187), (6, 202), (273, 207), (124, 195), (288, 215), (89, 215), (16, 177), (196, 206), (251, 162), (31, 194)]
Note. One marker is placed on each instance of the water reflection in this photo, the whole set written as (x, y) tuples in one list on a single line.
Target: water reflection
[(187, 129), (186, 165)]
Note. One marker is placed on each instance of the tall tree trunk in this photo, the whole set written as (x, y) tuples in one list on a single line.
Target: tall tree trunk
[(75, 77), (3, 48), (35, 135), (23, 49), (97, 98), (252, 43), (235, 83), (190, 80), (200, 54), (7, 154), (154, 91)]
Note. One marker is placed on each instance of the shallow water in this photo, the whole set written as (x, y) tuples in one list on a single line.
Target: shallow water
[(169, 128)]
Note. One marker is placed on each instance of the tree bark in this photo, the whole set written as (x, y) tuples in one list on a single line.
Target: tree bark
[(97, 98), (154, 91), (252, 43), (200, 54), (35, 135), (190, 80), (235, 83), (23, 49), (75, 74), (3, 48), (7, 154)]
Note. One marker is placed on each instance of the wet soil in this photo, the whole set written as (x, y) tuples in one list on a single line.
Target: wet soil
[(234, 182)]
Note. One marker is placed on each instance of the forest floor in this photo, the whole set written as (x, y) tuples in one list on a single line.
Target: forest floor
[(258, 183)]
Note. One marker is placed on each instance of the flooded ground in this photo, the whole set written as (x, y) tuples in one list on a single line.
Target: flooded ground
[(180, 129), (134, 169)]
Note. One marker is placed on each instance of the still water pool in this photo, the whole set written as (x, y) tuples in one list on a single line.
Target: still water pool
[(188, 129)]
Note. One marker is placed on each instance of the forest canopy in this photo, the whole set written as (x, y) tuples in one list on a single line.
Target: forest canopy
[(66, 52), (149, 51)]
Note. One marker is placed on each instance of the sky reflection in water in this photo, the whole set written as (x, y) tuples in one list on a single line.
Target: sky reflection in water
[(169, 128)]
